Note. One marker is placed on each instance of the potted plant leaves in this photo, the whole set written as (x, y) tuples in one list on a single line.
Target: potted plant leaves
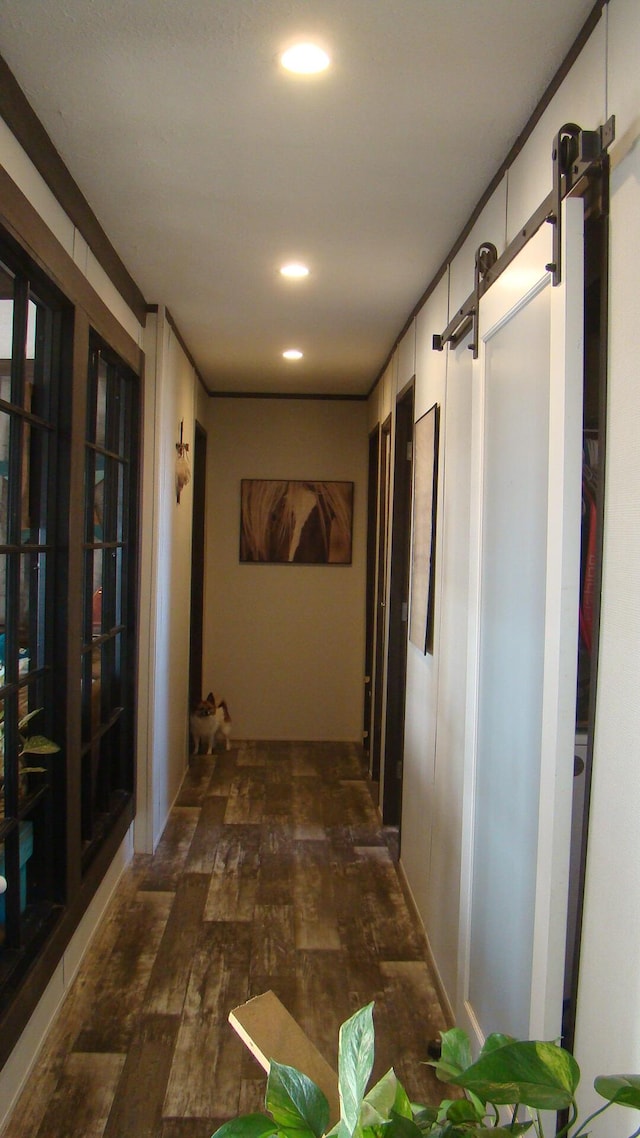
[(505, 1091)]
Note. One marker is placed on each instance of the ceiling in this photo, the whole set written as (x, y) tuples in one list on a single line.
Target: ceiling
[(209, 166)]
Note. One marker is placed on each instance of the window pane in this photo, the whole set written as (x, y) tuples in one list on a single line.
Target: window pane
[(35, 464), (98, 501), (32, 611), (101, 404), (120, 504), (107, 492), (3, 609), (96, 603), (6, 331), (121, 440), (4, 475), (1, 760), (39, 359)]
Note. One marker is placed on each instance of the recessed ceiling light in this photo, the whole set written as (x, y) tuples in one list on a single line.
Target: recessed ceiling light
[(292, 354), (294, 271), (305, 59)]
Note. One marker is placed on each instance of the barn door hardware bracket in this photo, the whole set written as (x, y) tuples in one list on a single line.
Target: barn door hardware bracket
[(575, 154), (467, 316), (579, 157), (486, 257)]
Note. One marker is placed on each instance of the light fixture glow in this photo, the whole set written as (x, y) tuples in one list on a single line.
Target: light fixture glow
[(292, 354), (305, 59), (294, 271)]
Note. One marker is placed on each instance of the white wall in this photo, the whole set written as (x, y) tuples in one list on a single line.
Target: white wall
[(165, 601), (608, 1027), (284, 644), (605, 80)]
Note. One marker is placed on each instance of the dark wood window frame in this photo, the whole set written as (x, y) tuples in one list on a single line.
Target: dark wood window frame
[(83, 316)]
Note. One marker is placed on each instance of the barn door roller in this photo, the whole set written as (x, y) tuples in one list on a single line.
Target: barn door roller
[(578, 160)]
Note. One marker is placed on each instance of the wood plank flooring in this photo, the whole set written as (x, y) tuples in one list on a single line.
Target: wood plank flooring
[(273, 873)]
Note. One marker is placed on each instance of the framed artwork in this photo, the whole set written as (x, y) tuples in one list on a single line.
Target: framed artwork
[(425, 486), (296, 522)]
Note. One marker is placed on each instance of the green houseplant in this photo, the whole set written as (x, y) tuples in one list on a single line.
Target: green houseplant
[(508, 1073), (27, 745)]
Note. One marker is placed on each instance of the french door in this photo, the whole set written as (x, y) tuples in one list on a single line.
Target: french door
[(523, 634)]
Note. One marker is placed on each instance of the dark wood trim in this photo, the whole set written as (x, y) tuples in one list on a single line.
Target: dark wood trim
[(75, 570), (373, 492), (559, 77), (177, 333), (34, 140), (198, 562), (383, 518), (335, 398), (398, 608), (26, 227)]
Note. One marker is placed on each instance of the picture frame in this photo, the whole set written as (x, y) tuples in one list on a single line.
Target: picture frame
[(296, 522), (423, 540)]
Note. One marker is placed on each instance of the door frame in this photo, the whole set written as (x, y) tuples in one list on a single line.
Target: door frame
[(398, 602), (380, 603), (373, 493), (198, 562)]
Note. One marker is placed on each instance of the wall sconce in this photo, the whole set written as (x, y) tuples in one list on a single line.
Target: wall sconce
[(183, 470)]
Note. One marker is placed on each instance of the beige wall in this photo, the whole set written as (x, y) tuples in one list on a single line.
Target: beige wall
[(284, 644)]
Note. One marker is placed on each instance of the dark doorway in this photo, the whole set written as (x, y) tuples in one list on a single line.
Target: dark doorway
[(379, 599), (370, 617), (197, 563), (398, 610)]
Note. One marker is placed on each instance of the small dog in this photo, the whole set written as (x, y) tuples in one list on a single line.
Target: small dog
[(208, 720)]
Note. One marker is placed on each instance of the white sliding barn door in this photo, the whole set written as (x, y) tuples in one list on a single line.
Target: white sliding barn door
[(523, 635)]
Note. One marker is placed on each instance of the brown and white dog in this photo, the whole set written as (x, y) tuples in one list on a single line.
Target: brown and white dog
[(208, 720)]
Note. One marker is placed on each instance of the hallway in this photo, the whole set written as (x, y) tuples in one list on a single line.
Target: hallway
[(272, 873)]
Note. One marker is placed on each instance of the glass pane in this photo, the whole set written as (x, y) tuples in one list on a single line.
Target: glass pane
[(1, 759), (101, 404), (120, 535), (105, 490), (35, 465), (39, 359), (3, 609), (3, 872), (30, 355), (91, 693), (119, 614), (121, 438), (96, 592), (5, 421), (32, 612), (6, 331), (99, 533)]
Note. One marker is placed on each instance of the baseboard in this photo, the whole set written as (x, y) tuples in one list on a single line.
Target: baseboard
[(437, 979)]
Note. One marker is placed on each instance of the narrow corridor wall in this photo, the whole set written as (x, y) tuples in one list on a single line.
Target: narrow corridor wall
[(284, 644)]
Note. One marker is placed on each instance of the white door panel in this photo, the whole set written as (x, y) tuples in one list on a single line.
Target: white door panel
[(524, 582)]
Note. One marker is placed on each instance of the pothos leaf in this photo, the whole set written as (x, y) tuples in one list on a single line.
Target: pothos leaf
[(248, 1126), (38, 745), (537, 1074), (621, 1089), (296, 1103), (455, 1054), (355, 1063)]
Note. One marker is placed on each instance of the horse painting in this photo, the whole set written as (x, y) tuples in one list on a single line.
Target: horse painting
[(294, 522)]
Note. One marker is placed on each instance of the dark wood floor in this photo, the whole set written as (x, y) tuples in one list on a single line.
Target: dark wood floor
[(273, 873)]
